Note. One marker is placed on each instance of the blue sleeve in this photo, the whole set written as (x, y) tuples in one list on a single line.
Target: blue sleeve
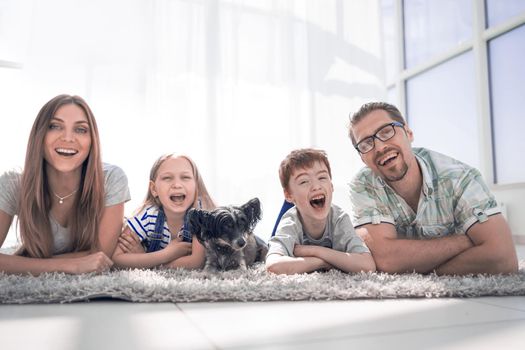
[(286, 205)]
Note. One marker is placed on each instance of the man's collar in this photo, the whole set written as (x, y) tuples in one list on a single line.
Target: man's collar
[(428, 186)]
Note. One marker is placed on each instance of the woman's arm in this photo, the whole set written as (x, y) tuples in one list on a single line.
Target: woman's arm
[(13, 264), (72, 255), (193, 261), (5, 224), (110, 228)]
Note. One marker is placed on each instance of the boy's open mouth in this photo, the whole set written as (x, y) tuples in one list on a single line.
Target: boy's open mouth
[(178, 198), (318, 201)]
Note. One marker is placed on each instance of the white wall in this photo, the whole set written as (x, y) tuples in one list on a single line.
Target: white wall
[(234, 84)]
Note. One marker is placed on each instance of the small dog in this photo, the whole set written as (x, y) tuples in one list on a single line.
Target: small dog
[(227, 235)]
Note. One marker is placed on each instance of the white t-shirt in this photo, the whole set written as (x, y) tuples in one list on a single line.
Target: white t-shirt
[(115, 185)]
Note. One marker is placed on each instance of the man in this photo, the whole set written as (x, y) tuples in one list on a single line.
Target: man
[(418, 210)]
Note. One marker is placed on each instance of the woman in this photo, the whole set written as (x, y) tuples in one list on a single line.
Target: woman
[(70, 206)]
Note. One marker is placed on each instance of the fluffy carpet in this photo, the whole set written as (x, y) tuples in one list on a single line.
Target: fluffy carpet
[(251, 285)]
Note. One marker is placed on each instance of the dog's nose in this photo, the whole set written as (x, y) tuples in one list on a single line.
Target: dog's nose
[(241, 242)]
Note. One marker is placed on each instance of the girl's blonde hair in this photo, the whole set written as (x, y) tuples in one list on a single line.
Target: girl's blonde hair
[(201, 192), (35, 199)]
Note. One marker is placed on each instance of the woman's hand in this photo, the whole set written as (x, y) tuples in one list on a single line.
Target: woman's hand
[(96, 262)]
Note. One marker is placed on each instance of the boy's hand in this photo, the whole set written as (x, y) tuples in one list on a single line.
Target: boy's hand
[(300, 250), (311, 251)]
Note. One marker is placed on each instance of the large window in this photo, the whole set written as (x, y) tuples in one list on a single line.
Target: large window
[(507, 75), (452, 131), (426, 34), (459, 79)]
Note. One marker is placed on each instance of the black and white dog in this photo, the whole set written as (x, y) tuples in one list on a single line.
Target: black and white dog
[(227, 235)]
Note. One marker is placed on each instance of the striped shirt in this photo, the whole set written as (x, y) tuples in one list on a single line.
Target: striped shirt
[(143, 224), (453, 198)]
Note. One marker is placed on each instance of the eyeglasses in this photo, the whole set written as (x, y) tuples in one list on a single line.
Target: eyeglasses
[(385, 133)]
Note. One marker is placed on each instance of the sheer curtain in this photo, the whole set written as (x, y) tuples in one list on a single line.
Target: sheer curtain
[(236, 85)]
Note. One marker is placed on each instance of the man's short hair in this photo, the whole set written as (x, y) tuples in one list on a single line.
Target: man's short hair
[(368, 108), (301, 159)]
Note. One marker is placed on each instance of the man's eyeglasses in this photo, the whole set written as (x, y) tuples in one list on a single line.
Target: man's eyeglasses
[(385, 133)]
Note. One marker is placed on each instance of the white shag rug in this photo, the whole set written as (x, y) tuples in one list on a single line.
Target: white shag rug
[(251, 285)]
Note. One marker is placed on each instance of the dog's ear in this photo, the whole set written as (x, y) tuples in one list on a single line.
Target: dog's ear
[(252, 210), (197, 220)]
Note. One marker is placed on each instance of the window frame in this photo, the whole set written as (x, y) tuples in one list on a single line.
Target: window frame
[(481, 35)]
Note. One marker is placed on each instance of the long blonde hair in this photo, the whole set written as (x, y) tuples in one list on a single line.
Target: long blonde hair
[(35, 199), (201, 192)]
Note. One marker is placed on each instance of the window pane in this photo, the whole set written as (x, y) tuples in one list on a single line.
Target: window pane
[(434, 26), (388, 20), (500, 10), (507, 74), (392, 96), (441, 109)]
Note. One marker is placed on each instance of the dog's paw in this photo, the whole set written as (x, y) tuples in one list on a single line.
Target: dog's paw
[(242, 266), (210, 269)]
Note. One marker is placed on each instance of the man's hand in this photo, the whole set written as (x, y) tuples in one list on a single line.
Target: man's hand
[(396, 255), (493, 253)]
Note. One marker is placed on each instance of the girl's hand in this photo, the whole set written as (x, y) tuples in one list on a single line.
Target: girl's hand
[(177, 248), (128, 242), (96, 262)]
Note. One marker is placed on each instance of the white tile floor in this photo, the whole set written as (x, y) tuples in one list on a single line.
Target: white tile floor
[(480, 323)]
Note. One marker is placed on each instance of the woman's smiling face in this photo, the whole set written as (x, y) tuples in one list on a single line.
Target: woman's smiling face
[(68, 139)]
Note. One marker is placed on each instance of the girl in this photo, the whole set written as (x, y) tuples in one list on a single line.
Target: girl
[(159, 224), (69, 205)]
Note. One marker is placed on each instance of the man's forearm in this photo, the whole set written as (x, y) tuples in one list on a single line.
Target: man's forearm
[(403, 255), (494, 250), (479, 259)]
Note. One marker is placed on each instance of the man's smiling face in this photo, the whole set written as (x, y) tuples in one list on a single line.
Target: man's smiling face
[(388, 159)]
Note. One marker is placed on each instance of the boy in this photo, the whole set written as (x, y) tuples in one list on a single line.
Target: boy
[(315, 234)]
